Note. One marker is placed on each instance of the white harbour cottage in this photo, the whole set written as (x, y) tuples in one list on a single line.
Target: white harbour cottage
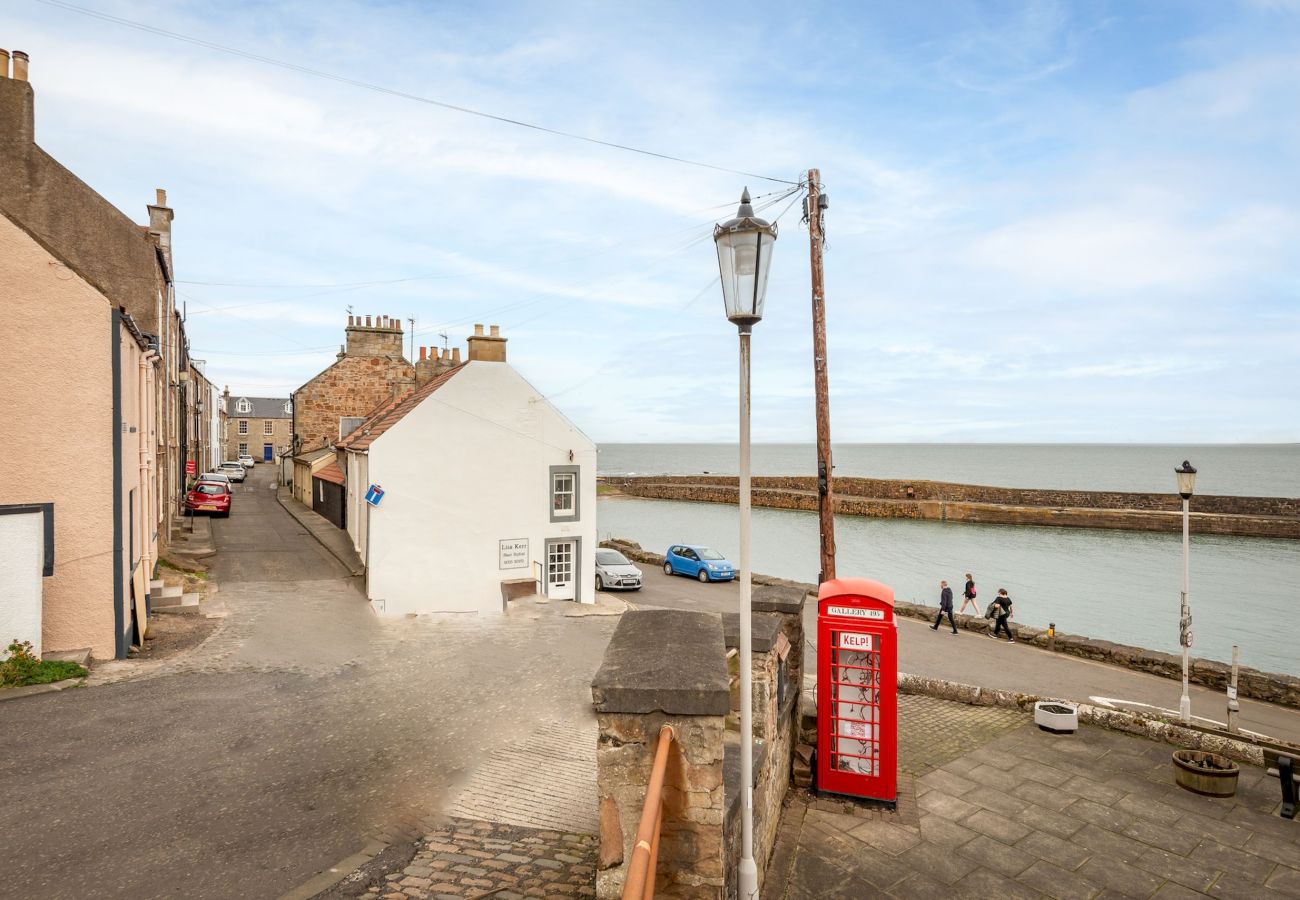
[(488, 491)]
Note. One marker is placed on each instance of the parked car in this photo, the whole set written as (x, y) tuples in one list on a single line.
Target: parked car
[(234, 469), (698, 562), (615, 572), (210, 497), (214, 476), (247, 461)]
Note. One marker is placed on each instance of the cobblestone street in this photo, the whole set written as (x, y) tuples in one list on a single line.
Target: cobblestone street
[(302, 730)]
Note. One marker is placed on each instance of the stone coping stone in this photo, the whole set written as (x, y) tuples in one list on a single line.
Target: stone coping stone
[(779, 598), (765, 627), (664, 660)]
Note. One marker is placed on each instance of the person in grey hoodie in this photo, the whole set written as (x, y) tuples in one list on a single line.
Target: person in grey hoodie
[(945, 606)]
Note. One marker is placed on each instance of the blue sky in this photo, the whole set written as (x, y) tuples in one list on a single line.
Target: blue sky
[(1048, 222)]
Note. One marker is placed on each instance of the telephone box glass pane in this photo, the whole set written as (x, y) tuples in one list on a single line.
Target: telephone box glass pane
[(855, 703)]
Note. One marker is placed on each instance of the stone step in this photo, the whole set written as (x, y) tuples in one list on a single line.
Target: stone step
[(155, 586), (171, 590), (189, 605)]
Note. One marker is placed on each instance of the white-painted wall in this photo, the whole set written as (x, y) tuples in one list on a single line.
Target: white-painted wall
[(467, 468)]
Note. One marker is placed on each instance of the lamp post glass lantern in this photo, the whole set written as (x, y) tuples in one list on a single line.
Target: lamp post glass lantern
[(1186, 484), (744, 255)]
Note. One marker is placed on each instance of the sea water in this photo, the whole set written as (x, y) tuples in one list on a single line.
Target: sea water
[(1118, 585)]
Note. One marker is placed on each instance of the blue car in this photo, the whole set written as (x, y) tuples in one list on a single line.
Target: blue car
[(698, 562)]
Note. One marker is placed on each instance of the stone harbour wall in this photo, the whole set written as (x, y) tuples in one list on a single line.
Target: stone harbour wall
[(1267, 686), (944, 501)]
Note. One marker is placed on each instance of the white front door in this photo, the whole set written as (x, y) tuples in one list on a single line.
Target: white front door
[(561, 558)]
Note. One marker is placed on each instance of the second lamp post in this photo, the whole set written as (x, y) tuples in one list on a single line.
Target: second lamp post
[(744, 255), (1186, 482)]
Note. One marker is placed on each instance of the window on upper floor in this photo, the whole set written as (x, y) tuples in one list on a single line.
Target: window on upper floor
[(288, 407), (564, 493), (243, 426), (268, 426), (243, 405)]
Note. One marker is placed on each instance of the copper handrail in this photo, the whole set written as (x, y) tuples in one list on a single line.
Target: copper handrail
[(640, 881)]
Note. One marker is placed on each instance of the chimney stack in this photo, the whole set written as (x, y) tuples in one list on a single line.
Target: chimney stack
[(487, 347), (17, 104), (455, 356), (424, 353), (375, 336), (160, 225)]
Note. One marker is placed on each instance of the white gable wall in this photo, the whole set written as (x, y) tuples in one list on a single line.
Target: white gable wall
[(468, 468)]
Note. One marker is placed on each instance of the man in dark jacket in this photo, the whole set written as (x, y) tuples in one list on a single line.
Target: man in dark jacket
[(1001, 613), (945, 606)]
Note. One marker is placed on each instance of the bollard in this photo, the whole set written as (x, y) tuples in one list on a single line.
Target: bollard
[(1051, 635), (1233, 706)]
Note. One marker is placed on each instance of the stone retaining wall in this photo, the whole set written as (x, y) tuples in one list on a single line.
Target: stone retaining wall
[(880, 498), (635, 693), (1267, 686)]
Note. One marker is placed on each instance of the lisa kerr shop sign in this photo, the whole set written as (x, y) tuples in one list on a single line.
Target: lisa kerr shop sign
[(514, 553)]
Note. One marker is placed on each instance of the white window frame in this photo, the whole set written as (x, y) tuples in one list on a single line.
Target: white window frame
[(243, 405), (243, 449), (243, 426), (564, 502), (268, 426), (288, 407)]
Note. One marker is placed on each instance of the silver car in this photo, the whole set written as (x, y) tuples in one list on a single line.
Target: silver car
[(615, 572), (234, 469)]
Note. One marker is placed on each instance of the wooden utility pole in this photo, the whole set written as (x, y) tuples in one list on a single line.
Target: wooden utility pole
[(825, 494)]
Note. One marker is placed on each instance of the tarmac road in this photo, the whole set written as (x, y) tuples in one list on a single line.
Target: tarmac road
[(302, 728), (972, 658)]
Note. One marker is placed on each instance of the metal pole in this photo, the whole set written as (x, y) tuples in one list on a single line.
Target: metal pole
[(748, 874), (1185, 618), (825, 494), (1233, 706)]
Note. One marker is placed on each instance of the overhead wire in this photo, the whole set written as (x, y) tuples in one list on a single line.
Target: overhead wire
[(405, 95)]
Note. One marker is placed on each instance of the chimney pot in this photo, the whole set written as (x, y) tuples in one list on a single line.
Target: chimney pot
[(455, 356), (478, 329), (424, 353), (4, 63), (495, 331), (367, 321), (349, 321), (20, 65), (161, 195)]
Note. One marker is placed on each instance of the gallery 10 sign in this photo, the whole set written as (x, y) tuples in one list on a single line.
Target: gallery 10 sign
[(514, 553)]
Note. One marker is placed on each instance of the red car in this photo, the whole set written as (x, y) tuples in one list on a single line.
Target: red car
[(210, 497)]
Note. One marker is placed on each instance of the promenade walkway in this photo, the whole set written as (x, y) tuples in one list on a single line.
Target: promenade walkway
[(972, 658)]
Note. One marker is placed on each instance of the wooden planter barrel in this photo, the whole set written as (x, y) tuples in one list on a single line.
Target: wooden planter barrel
[(1205, 773)]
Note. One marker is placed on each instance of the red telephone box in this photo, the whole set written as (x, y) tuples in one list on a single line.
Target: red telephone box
[(857, 689)]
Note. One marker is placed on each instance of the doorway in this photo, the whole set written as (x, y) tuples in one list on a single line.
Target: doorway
[(562, 568)]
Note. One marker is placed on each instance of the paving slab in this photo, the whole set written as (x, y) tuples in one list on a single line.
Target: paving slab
[(1093, 815)]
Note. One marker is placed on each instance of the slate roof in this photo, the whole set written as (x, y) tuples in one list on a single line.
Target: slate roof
[(312, 455), (263, 408), (392, 412)]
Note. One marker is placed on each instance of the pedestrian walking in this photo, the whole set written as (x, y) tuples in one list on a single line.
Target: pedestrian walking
[(968, 596), (945, 607), (1001, 613)]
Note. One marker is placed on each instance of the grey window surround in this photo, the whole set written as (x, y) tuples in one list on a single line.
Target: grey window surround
[(575, 471)]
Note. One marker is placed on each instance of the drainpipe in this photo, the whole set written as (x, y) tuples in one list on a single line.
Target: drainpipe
[(148, 514)]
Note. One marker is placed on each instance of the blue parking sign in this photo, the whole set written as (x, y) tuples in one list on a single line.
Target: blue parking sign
[(374, 495)]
